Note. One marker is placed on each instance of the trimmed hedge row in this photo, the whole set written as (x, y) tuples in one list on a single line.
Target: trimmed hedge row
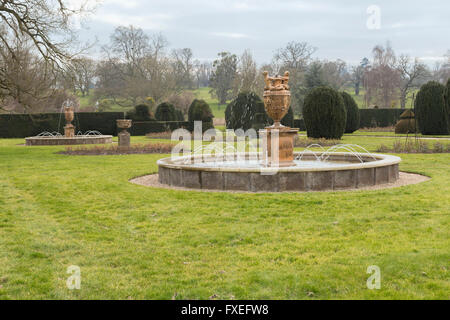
[(370, 118), (27, 125), (140, 128)]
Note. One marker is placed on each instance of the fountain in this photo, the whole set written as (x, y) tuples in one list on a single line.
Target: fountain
[(277, 167), (70, 138)]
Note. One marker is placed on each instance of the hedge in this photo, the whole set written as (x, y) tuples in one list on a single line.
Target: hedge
[(140, 128), (27, 125), (379, 117)]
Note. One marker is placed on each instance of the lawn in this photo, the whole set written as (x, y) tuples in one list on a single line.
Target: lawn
[(135, 242)]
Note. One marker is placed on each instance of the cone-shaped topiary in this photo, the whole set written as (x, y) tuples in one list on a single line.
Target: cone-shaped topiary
[(324, 113), (166, 112), (246, 111), (407, 123), (352, 109), (199, 110), (431, 111)]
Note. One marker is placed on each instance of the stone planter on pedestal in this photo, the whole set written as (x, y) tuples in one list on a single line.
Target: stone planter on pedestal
[(124, 135), (278, 140)]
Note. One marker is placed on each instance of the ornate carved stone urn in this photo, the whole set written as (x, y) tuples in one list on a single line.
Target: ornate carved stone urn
[(277, 97), (278, 140), (69, 128)]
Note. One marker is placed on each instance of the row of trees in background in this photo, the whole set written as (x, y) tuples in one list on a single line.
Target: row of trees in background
[(386, 79), (37, 74)]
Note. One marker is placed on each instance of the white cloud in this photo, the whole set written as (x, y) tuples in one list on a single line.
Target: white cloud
[(230, 35), (154, 22)]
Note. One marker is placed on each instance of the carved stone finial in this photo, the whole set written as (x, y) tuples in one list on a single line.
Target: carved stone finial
[(277, 83)]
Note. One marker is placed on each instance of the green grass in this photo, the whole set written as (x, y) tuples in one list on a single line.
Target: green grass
[(137, 242), (217, 109)]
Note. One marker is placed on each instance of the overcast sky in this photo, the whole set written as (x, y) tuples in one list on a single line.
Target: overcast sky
[(337, 28)]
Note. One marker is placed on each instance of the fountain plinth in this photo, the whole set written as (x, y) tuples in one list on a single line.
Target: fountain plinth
[(124, 135), (69, 128), (278, 140)]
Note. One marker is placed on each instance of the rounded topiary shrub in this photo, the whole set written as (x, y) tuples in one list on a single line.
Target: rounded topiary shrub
[(199, 110), (407, 123), (431, 111), (324, 113), (141, 112), (352, 123), (166, 112), (246, 111)]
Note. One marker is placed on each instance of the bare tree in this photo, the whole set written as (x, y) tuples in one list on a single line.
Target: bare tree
[(135, 68), (294, 58), (335, 73), (410, 72), (46, 29), (247, 75), (84, 69), (182, 101), (382, 80), (27, 81), (42, 22), (183, 67), (202, 73)]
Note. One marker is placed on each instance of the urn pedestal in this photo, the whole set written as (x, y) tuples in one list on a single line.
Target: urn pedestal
[(69, 130), (278, 146), (124, 135)]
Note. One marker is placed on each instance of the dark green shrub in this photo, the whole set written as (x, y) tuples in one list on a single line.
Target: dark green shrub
[(180, 116), (199, 110), (431, 111), (407, 123), (246, 111), (352, 109), (447, 101), (166, 112), (141, 112), (324, 113)]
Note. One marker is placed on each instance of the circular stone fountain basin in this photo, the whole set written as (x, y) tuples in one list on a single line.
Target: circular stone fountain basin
[(340, 170), (61, 140)]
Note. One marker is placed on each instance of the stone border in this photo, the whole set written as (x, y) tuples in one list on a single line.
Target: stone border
[(62, 141), (351, 175), (405, 179)]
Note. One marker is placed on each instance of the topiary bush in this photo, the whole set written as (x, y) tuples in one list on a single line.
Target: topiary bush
[(447, 102), (166, 112), (324, 113), (141, 112), (407, 123), (431, 111), (246, 111), (199, 110), (180, 116), (353, 117)]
